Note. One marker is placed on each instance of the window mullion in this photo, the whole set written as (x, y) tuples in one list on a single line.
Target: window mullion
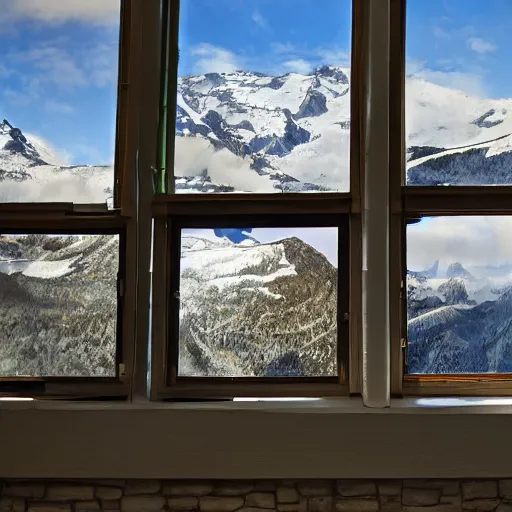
[(376, 336)]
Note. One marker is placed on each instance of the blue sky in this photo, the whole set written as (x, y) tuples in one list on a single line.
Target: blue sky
[(58, 74), (58, 64)]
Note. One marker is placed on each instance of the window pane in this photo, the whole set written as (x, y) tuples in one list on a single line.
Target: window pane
[(58, 77), (258, 302), (263, 96), (459, 295), (58, 305), (458, 92)]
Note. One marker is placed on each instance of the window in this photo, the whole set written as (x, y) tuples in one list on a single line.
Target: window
[(450, 336), (67, 228), (257, 216)]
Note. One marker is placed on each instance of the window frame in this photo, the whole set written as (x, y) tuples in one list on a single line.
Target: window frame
[(424, 201), (167, 206), (76, 217)]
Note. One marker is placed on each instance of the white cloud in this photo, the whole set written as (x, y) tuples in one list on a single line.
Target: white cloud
[(440, 33), (60, 11), (259, 20), (58, 107), (481, 46), (472, 240), (470, 82), (214, 59), (300, 66)]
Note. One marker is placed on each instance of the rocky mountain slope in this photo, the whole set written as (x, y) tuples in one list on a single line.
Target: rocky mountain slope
[(58, 305), (256, 310)]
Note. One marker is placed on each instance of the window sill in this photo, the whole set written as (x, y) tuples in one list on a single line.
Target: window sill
[(331, 438)]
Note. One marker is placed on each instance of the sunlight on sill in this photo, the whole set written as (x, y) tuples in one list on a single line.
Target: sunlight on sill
[(16, 399), (275, 399), (462, 402)]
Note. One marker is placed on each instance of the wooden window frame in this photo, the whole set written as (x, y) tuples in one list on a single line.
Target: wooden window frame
[(295, 207), (97, 218), (424, 201)]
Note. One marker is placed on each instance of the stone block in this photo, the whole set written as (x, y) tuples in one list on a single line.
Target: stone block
[(480, 505), (390, 504), (220, 504), (49, 507), (505, 487), (441, 507), (390, 487), (504, 507), (70, 492), (447, 487), (348, 488), (111, 505), (233, 488), (108, 493), (253, 509), (12, 505), (315, 488), (187, 488), (323, 504), (473, 489), (142, 503), (420, 497), (287, 495), (86, 506), (183, 503), (141, 487), (302, 506), (260, 500), (265, 486), (24, 490), (357, 505)]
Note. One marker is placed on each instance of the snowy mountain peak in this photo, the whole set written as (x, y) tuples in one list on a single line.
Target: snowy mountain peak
[(14, 141)]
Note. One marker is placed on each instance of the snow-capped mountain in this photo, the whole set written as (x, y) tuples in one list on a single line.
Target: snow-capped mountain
[(31, 172), (256, 309), (58, 305)]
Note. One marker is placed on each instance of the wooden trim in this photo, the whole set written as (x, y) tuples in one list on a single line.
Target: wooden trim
[(457, 387), (251, 204), (397, 179), (457, 200), (172, 88), (53, 224), (358, 93)]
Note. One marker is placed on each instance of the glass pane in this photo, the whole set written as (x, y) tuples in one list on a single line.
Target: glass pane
[(258, 302), (58, 305), (459, 295), (263, 96), (58, 77), (458, 92)]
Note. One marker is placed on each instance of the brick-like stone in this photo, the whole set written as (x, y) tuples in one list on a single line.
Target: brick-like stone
[(86, 506), (323, 504), (24, 490), (260, 500), (49, 507), (302, 506), (287, 495), (235, 488), (456, 501), (108, 493), (504, 507), (110, 505), (441, 507), (141, 487), (315, 488), (357, 505), (183, 503), (187, 488), (142, 503), (12, 505), (420, 497), (505, 487), (220, 504), (390, 504), (480, 505), (252, 509), (265, 486), (474, 489), (349, 488), (70, 493), (390, 487), (447, 487)]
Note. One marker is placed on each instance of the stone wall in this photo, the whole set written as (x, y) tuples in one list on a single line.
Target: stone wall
[(257, 496)]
